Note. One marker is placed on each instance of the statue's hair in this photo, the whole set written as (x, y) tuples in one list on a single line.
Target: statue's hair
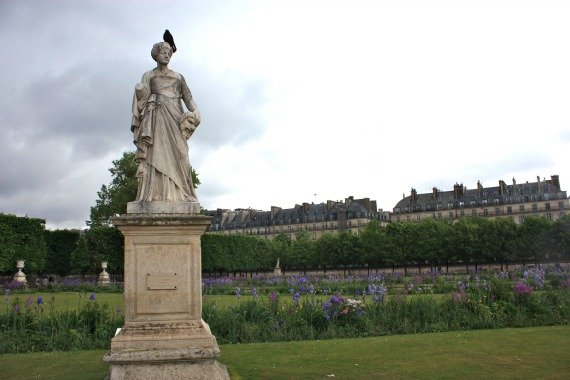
[(157, 47)]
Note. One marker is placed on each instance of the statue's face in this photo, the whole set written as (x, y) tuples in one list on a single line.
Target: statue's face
[(164, 56)]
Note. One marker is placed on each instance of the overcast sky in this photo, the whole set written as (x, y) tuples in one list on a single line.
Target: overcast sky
[(301, 101)]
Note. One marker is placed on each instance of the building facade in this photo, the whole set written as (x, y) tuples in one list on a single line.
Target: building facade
[(330, 217), (516, 201)]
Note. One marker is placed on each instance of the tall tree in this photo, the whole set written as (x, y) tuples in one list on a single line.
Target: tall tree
[(373, 238), (113, 198), (60, 245)]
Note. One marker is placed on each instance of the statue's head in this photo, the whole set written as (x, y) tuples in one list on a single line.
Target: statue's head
[(157, 48)]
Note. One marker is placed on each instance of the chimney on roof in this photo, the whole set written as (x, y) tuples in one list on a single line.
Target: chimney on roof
[(274, 211), (502, 187), (555, 180), (305, 207), (414, 195), (348, 200), (329, 205), (514, 182), (457, 191), (435, 192)]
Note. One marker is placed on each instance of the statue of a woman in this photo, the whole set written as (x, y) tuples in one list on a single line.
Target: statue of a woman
[(160, 129)]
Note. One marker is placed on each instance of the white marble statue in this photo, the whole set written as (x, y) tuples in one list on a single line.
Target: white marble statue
[(160, 128)]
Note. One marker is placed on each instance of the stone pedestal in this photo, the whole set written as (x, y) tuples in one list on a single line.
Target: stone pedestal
[(164, 336)]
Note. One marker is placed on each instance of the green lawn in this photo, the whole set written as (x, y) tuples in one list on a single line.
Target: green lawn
[(64, 300), (526, 353), (72, 300)]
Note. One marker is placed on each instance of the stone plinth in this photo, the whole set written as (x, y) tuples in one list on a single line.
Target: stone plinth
[(164, 336)]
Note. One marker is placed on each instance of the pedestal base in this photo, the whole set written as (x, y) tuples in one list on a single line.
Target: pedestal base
[(204, 370), (164, 336), (184, 350)]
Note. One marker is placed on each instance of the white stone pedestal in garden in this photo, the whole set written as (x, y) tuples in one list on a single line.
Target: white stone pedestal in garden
[(164, 336)]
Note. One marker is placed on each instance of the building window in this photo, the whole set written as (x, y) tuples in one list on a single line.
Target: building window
[(449, 205), (497, 211), (418, 217), (521, 198), (439, 215), (462, 213), (561, 205), (521, 218), (534, 207), (484, 202), (450, 215), (472, 203), (439, 206), (548, 216), (473, 212), (546, 196), (533, 197), (547, 206), (408, 218), (509, 210), (461, 204), (561, 215), (485, 212), (521, 208)]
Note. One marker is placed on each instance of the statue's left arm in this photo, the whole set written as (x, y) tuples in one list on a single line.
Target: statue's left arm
[(189, 102)]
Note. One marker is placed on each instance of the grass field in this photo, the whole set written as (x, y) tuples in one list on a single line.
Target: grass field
[(73, 300), (526, 353)]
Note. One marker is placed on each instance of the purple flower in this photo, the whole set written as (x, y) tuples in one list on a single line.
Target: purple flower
[(273, 296), (16, 308), (40, 300), (238, 292), (254, 293), (522, 288), (92, 297), (296, 298), (336, 300)]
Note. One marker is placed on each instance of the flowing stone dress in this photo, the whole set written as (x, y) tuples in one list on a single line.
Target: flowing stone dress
[(163, 171)]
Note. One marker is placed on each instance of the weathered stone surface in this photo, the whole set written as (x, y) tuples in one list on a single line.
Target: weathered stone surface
[(204, 370), (164, 336), (143, 207)]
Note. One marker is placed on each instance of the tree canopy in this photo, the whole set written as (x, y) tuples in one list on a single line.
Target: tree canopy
[(113, 198)]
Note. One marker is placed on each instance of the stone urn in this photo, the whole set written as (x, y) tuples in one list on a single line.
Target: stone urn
[(277, 269), (104, 278), (20, 276)]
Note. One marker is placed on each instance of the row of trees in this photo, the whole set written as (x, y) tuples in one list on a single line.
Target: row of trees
[(469, 241), (60, 252)]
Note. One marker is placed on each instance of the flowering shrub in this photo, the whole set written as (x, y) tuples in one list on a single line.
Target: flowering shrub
[(522, 289), (339, 308)]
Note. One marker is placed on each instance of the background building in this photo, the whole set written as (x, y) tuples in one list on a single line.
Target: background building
[(544, 198), (332, 216)]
